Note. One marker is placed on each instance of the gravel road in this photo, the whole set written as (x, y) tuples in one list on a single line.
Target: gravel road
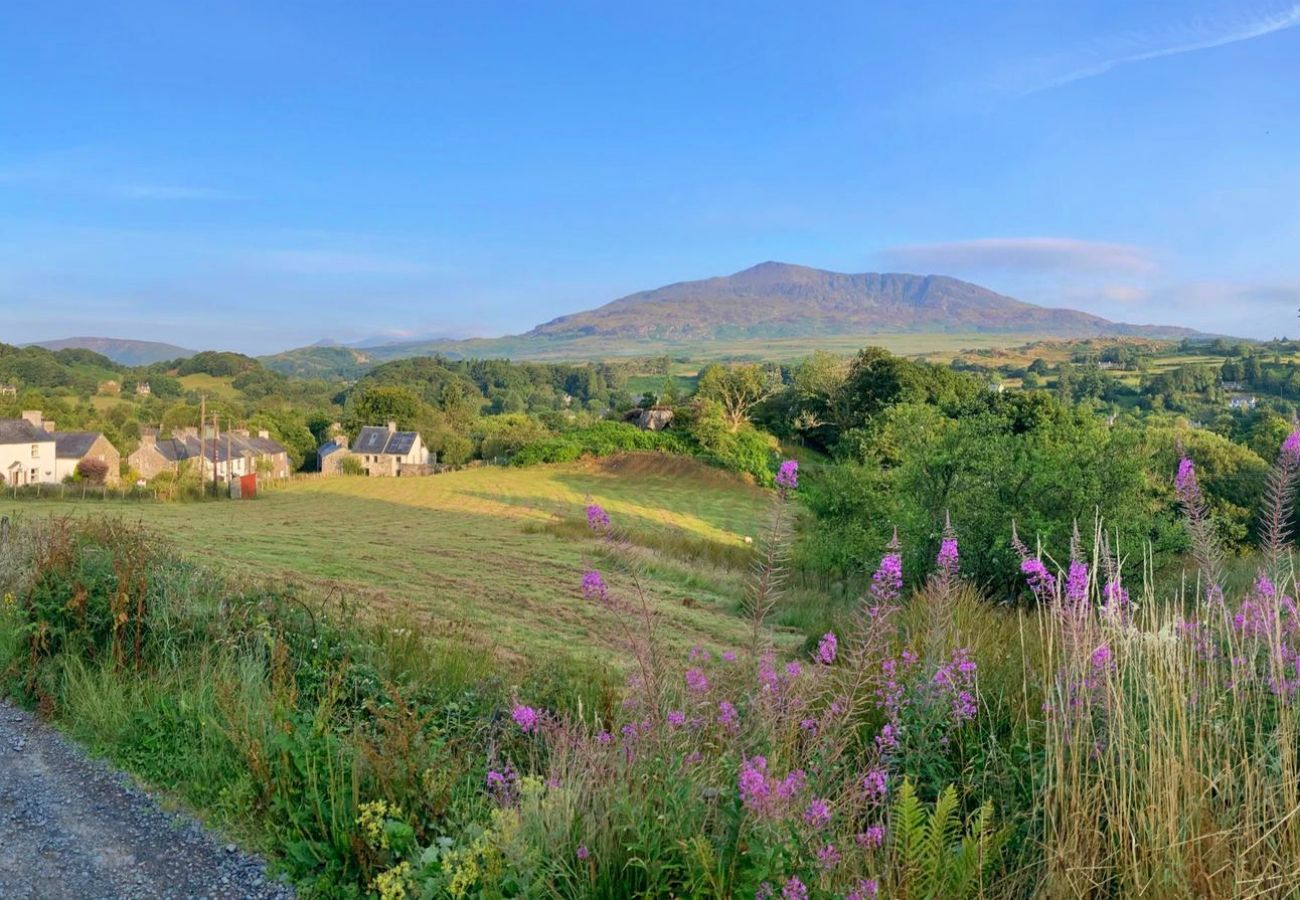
[(71, 827)]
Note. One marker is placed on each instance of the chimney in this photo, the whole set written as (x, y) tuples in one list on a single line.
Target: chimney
[(49, 426), (33, 417), (341, 439), (149, 438), (264, 434), (392, 426)]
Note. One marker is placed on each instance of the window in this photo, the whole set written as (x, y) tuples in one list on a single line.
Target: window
[(36, 450)]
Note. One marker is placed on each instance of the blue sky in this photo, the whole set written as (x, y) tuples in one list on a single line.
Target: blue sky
[(263, 175)]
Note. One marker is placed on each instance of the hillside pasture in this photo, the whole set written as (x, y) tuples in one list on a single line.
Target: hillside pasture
[(492, 553)]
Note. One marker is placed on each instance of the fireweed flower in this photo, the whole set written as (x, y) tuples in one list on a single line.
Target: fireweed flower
[(827, 648), (1101, 657), (697, 681), (867, 889), (887, 582), (1076, 584), (1114, 598), (593, 586), (793, 669), (948, 559), (792, 785), (676, 719), (787, 477), (876, 785), (829, 857), (873, 838), (1040, 580), (794, 889), (818, 813), (582, 852), (525, 717), (729, 656), (597, 518), (753, 784), (726, 714)]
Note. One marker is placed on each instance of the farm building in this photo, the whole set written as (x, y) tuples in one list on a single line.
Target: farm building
[(231, 453), (27, 451), (381, 450)]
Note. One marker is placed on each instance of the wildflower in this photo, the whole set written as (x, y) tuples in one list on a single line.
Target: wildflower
[(794, 889), (1076, 583), (597, 518), (1114, 598), (873, 838), (754, 787), (765, 892), (792, 785), (793, 669), (787, 477), (525, 717), (726, 714), (828, 856), (868, 889), (496, 780), (1101, 657), (876, 784), (676, 719), (697, 681), (809, 725), (582, 852), (593, 586), (887, 583), (604, 738), (827, 648), (699, 653), (1185, 486), (1040, 580), (818, 813), (887, 739), (729, 656), (1291, 446)]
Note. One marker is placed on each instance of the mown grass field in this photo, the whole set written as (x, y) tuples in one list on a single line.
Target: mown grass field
[(495, 554)]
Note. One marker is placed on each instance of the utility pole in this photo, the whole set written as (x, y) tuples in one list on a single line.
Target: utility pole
[(216, 447), (203, 416)]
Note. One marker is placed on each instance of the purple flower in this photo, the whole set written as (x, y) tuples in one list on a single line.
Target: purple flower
[(726, 714), (793, 669), (818, 813), (1101, 657), (582, 851), (676, 719), (604, 738), (809, 725), (787, 477), (1291, 446), (699, 653), (754, 787), (873, 838), (729, 656), (792, 785), (1114, 598), (1076, 584), (876, 784), (948, 559), (827, 648), (1040, 580), (697, 681), (597, 518), (868, 889), (525, 717), (829, 857), (496, 780), (1185, 486), (593, 586), (794, 889), (887, 583)]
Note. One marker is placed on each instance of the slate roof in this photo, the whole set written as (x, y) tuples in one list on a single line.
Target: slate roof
[(328, 447), (20, 431), (228, 446), (73, 444), (377, 440)]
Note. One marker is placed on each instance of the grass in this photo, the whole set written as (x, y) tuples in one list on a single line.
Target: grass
[(210, 384), (489, 552)]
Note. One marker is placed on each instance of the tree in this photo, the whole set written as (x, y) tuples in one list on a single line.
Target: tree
[(94, 471), (736, 390), (379, 404)]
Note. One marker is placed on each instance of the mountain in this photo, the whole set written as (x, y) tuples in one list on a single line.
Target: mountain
[(773, 309), (778, 300), (120, 350)]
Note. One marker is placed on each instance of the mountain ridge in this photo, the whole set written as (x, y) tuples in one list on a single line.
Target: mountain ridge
[(124, 351)]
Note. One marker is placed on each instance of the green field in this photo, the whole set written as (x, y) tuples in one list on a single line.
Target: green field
[(495, 554)]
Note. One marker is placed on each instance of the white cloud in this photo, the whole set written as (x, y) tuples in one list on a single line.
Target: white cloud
[(1023, 254), (1200, 33)]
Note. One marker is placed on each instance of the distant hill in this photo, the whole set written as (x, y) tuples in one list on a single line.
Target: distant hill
[(778, 300), (120, 350), (769, 308)]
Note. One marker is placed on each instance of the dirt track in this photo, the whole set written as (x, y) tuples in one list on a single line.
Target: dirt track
[(71, 827)]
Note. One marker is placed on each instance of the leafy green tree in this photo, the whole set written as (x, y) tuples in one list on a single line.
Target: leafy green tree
[(379, 404), (736, 390)]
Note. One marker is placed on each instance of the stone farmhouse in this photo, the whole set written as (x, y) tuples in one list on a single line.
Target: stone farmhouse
[(33, 452), (231, 454), (383, 451)]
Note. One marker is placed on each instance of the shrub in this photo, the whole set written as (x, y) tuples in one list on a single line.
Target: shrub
[(93, 470)]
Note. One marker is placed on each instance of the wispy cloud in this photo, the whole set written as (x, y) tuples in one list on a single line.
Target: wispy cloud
[(1243, 23), (1022, 254)]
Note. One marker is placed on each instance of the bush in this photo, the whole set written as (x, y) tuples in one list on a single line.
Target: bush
[(94, 471), (600, 439)]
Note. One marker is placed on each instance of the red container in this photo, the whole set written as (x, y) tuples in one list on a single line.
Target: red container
[(247, 487)]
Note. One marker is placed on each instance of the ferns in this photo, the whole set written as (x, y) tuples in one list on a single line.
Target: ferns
[(931, 855)]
